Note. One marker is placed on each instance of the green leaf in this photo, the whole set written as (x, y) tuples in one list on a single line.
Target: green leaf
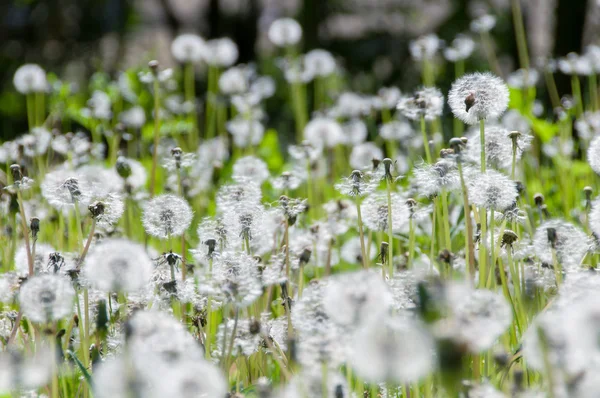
[(269, 151), (543, 129), (81, 367)]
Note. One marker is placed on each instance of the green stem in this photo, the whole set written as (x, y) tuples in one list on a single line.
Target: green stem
[(365, 259), (390, 228), (425, 140), (520, 34), (156, 137)]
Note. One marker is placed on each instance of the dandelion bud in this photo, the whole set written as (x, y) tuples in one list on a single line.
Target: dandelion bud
[(153, 65), (387, 162), (456, 144), (211, 243), (176, 153), (544, 210), (34, 226), (446, 256), (72, 185), (123, 167), (383, 252), (375, 163), (520, 187), (514, 136), (509, 238), (97, 209), (538, 199), (15, 170), (469, 101), (305, 256), (552, 237), (588, 194), (254, 326)]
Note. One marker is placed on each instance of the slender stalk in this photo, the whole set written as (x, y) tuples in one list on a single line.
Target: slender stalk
[(520, 34), (25, 232), (411, 241), (390, 228), (446, 220), (156, 137), (593, 88), (425, 140), (365, 260), (482, 249)]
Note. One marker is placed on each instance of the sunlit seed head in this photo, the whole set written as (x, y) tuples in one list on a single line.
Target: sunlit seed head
[(499, 146), (483, 24), (430, 180), (30, 78), (461, 48), (362, 155), (40, 261), (319, 62), (523, 78), (425, 47), (392, 350), (167, 216), (486, 97), (427, 102), (567, 241), (46, 298), (324, 132), (285, 32), (233, 81), (593, 155), (492, 190), (118, 265), (246, 132), (375, 212), (356, 299), (188, 47), (250, 168), (221, 52)]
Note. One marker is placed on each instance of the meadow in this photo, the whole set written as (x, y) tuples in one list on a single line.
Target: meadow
[(162, 242)]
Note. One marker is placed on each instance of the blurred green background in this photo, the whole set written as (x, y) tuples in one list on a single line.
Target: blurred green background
[(75, 38)]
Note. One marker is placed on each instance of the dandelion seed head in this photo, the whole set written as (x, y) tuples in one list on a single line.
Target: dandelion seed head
[(319, 62), (40, 260), (574, 64), (427, 102), (395, 131), (355, 132), (498, 146), (492, 190), (250, 167), (351, 105), (477, 318), (324, 132), (310, 383), (593, 155), (30, 78), (513, 120), (98, 106), (191, 379), (425, 47), (233, 81), (488, 94), (356, 299), (522, 78), (134, 117), (245, 132), (485, 391), (20, 371), (362, 155), (431, 180), (289, 180), (118, 265), (246, 341), (188, 47), (462, 47), (46, 298), (350, 251), (221, 52), (570, 244), (375, 212), (392, 349), (167, 216), (483, 24), (285, 32), (236, 274)]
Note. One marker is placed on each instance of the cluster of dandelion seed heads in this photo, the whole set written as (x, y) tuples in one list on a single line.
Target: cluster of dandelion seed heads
[(478, 96)]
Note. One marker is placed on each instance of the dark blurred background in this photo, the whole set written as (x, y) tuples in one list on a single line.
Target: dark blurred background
[(75, 38)]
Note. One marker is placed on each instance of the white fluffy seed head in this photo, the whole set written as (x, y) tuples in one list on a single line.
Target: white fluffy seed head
[(570, 244), (356, 299), (427, 102), (30, 78), (188, 47), (462, 47), (233, 81), (319, 63), (375, 212), (397, 350), (285, 32), (595, 217), (478, 96), (492, 190), (362, 155), (250, 167), (221, 52), (167, 216), (323, 132), (425, 47), (593, 155), (498, 146), (46, 298), (431, 179), (396, 130), (118, 265)]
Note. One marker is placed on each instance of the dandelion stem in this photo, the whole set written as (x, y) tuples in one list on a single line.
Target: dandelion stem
[(156, 137), (362, 236), (87, 243), (25, 232), (390, 227), (520, 34), (425, 140)]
